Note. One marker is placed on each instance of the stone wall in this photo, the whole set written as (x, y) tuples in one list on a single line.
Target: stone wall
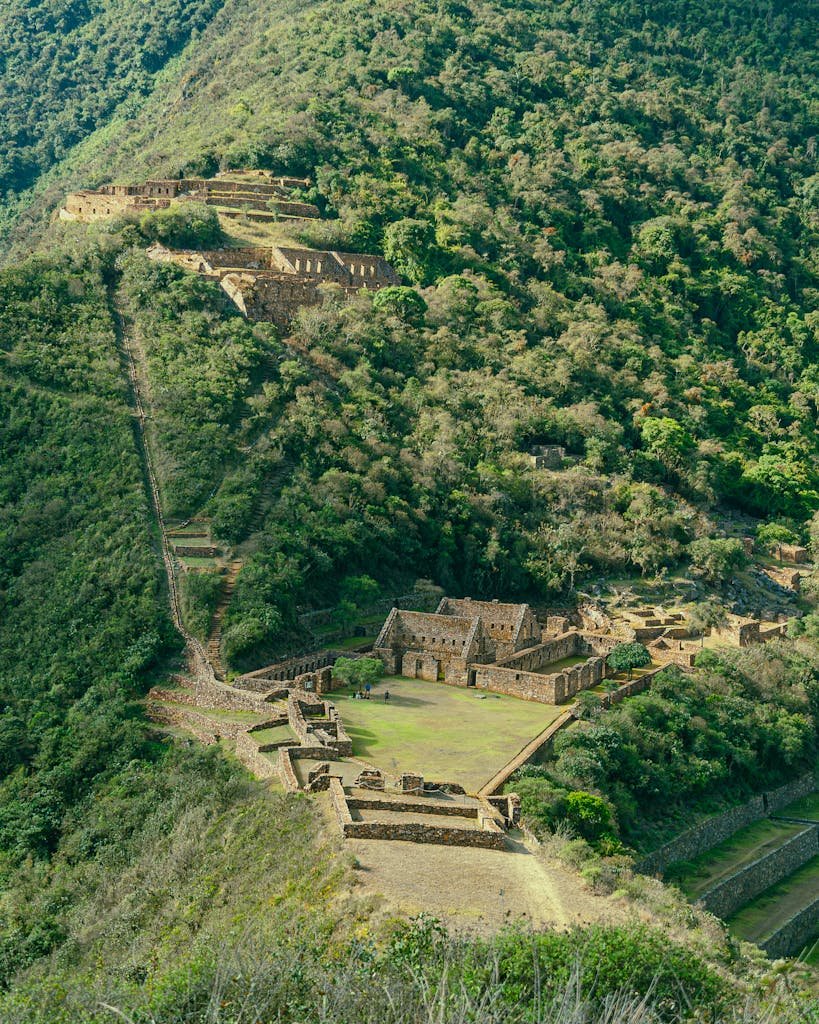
[(249, 753), (736, 890), (286, 771), (217, 698), (284, 671), (412, 806), (778, 799), (543, 654), (714, 830), (702, 837), (547, 689), (792, 936)]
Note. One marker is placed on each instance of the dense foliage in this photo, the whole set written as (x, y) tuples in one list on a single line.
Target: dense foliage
[(610, 209), (81, 607), (743, 722)]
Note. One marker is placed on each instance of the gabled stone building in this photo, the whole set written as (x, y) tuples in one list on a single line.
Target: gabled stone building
[(461, 633)]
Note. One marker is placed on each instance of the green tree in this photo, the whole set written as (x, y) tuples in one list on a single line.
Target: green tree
[(357, 672), (411, 248), (705, 616), (590, 816), (717, 559), (628, 656)]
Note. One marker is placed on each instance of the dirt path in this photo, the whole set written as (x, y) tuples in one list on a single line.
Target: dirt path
[(472, 889)]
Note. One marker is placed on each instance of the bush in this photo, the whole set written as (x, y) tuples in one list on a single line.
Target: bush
[(199, 595), (183, 226)]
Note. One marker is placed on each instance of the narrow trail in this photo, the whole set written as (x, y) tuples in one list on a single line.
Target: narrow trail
[(214, 647), (197, 655)]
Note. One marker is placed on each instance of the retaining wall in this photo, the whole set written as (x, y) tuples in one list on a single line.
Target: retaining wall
[(416, 832), (731, 893), (779, 798), (249, 753), (714, 830), (412, 806), (794, 934)]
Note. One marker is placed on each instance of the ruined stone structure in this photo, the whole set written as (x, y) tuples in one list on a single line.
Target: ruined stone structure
[(262, 199), (547, 456), (492, 646), (272, 283)]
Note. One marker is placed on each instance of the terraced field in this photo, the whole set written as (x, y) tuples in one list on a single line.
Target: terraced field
[(807, 808), (767, 913), (698, 875)]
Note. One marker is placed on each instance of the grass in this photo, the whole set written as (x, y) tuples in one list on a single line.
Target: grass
[(275, 734), (197, 562), (696, 876), (806, 807), (446, 733), (248, 717), (255, 233), (768, 912)]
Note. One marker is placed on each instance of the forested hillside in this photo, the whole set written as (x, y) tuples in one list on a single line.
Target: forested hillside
[(606, 219), (610, 211)]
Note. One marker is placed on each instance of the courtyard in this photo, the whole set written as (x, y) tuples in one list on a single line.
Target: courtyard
[(448, 734)]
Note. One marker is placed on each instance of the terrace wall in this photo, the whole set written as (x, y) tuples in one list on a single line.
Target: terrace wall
[(792, 936), (714, 830), (736, 890)]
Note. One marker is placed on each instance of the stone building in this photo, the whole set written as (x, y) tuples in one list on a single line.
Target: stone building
[(259, 199), (459, 634), (272, 283), (494, 646)]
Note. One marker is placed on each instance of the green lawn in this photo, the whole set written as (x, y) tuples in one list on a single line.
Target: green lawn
[(448, 734), (776, 905), (696, 876)]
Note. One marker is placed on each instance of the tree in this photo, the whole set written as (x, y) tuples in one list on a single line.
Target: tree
[(357, 672), (667, 440), (771, 537), (706, 615), (410, 246), (716, 559), (589, 815), (627, 657)]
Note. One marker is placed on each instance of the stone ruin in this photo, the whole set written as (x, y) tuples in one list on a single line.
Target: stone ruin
[(273, 283), (492, 646), (267, 197), (547, 456)]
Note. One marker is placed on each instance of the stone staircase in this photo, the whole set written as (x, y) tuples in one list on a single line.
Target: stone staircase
[(214, 644)]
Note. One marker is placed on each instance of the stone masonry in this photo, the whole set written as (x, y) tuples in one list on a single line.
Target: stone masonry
[(273, 283)]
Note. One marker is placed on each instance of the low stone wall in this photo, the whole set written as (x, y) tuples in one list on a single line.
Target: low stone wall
[(204, 728), (731, 893), (416, 832), (166, 715), (777, 799), (339, 801), (792, 936), (213, 697), (714, 830), (412, 806), (249, 753), (629, 689), (286, 771)]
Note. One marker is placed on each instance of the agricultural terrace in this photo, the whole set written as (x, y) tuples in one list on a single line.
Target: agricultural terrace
[(447, 733)]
